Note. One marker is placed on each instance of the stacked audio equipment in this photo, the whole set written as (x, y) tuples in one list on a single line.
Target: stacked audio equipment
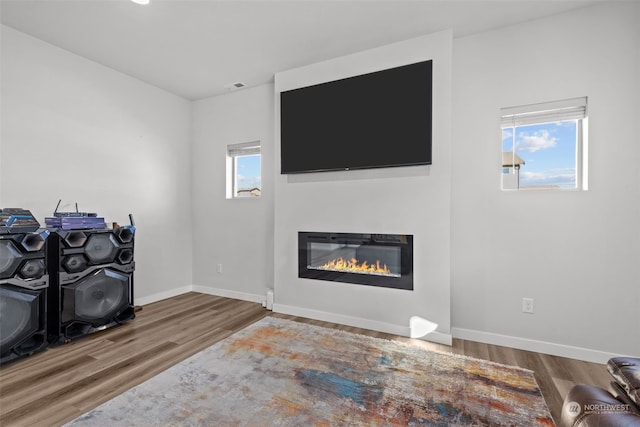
[(91, 277), (23, 285)]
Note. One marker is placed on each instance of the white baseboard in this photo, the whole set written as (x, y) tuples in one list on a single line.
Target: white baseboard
[(358, 322), (203, 290), (244, 296), (544, 347), (162, 295), (438, 337)]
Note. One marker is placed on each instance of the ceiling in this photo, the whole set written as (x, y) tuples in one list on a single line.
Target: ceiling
[(194, 48)]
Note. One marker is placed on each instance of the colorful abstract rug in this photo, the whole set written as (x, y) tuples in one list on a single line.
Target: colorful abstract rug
[(283, 373)]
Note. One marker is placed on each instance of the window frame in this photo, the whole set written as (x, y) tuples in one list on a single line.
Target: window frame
[(235, 151), (550, 112)]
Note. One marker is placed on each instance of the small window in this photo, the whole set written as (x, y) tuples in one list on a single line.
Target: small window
[(244, 178), (544, 146)]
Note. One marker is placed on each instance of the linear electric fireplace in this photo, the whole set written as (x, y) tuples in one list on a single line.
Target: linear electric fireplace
[(384, 260)]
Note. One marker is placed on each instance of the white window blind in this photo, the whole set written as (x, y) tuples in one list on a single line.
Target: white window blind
[(546, 112), (244, 149)]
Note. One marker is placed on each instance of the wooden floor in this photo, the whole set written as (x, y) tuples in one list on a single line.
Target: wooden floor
[(55, 386)]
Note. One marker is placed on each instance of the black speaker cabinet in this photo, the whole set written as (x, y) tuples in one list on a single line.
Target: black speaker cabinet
[(91, 281), (23, 293)]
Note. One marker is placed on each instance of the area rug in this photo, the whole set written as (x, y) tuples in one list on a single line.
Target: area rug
[(283, 373)]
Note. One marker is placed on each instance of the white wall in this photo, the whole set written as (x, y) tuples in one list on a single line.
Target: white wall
[(237, 233), (576, 253), (77, 131), (413, 200)]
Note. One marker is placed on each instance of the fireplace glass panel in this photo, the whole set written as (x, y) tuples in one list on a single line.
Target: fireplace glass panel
[(370, 259), (350, 258)]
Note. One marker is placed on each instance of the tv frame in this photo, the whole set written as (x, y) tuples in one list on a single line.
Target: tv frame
[(428, 69)]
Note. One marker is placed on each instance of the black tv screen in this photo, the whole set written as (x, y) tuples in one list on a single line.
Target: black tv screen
[(374, 120)]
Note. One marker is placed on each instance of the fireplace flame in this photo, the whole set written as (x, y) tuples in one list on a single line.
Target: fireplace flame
[(354, 266)]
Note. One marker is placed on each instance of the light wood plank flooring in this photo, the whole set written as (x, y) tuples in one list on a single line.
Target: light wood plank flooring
[(55, 386)]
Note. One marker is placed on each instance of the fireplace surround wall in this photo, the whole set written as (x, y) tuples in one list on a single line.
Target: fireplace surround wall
[(415, 200), (384, 260)]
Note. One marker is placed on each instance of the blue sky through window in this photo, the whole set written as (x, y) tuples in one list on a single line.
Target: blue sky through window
[(549, 153), (248, 172)]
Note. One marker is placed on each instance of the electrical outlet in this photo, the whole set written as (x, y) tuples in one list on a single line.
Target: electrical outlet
[(219, 268), (527, 305)]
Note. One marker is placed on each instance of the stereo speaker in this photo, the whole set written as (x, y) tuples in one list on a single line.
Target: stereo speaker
[(91, 281), (23, 294)]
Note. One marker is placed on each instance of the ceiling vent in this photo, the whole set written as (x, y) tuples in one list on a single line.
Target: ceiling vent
[(234, 86)]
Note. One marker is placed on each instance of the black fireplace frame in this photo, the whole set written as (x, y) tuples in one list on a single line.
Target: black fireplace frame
[(402, 241)]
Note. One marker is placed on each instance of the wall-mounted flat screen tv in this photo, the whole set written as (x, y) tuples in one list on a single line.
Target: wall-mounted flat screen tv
[(375, 120)]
